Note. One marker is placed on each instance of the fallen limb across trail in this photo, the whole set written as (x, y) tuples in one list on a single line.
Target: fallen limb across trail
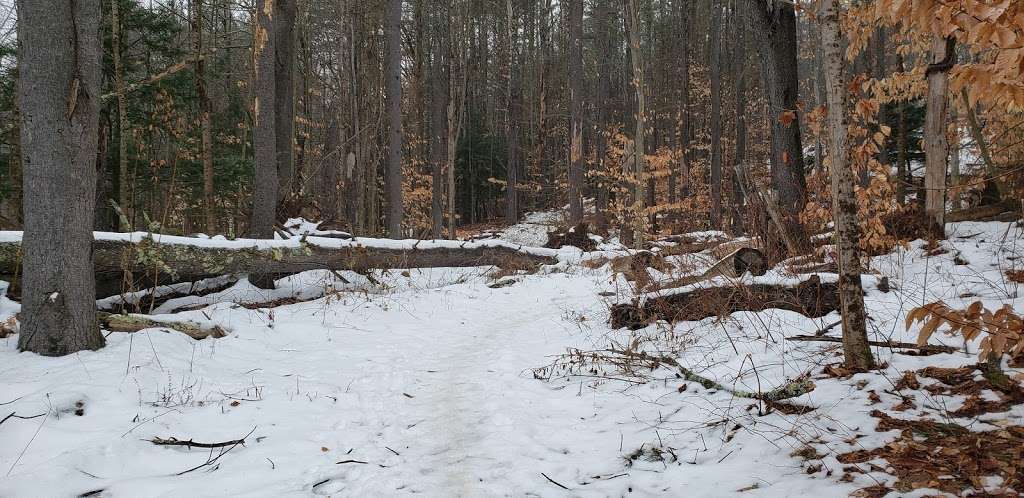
[(184, 259), (811, 297)]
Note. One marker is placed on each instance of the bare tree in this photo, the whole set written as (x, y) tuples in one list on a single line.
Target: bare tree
[(844, 201), (636, 59), (576, 78), (716, 115), (774, 23), (284, 95), (123, 177), (394, 98), (59, 98), (205, 109)]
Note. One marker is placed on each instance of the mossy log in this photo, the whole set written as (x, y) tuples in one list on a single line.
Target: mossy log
[(812, 298), (180, 262)]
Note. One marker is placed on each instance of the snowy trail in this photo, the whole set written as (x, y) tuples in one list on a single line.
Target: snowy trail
[(431, 387)]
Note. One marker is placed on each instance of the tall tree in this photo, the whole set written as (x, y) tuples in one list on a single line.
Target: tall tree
[(264, 138), (393, 87), (511, 120), (123, 176), (716, 115), (936, 146), (774, 22), (740, 91), (205, 110), (576, 78), (59, 99), (636, 225), (438, 127), (284, 95), (856, 350)]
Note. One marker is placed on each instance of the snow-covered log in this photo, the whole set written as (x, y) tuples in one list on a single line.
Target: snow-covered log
[(186, 259)]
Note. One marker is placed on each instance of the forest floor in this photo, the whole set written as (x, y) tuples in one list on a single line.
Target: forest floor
[(441, 383)]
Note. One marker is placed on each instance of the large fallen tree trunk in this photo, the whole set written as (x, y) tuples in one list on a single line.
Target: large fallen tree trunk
[(182, 259), (811, 297)]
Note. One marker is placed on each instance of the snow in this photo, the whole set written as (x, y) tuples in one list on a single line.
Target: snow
[(427, 377)]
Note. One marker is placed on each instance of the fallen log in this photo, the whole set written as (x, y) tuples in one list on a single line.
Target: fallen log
[(1002, 211), (181, 259), (811, 297)]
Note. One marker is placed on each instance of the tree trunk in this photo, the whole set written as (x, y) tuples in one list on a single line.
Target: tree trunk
[(685, 128), (438, 148), (124, 198), (603, 26), (265, 184), (775, 24), (284, 96), (59, 99), (576, 78), (936, 147), (394, 113), (716, 116), (739, 168), (636, 225), (856, 350), (979, 139), (205, 124), (511, 128), (902, 145)]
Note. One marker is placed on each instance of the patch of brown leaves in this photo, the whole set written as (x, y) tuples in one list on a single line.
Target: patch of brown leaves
[(947, 456)]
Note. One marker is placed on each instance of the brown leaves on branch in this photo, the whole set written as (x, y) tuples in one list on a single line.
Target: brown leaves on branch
[(1003, 327)]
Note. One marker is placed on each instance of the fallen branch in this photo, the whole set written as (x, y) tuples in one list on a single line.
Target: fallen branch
[(928, 348), (173, 441), (134, 323), (210, 460), (793, 389)]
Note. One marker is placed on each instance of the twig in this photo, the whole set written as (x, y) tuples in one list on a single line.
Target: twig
[(350, 461), (552, 481), (14, 415)]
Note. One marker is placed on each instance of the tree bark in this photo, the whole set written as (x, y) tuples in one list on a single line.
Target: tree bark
[(856, 349), (775, 24), (284, 96), (576, 78), (936, 147), (394, 113), (59, 99), (265, 183)]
